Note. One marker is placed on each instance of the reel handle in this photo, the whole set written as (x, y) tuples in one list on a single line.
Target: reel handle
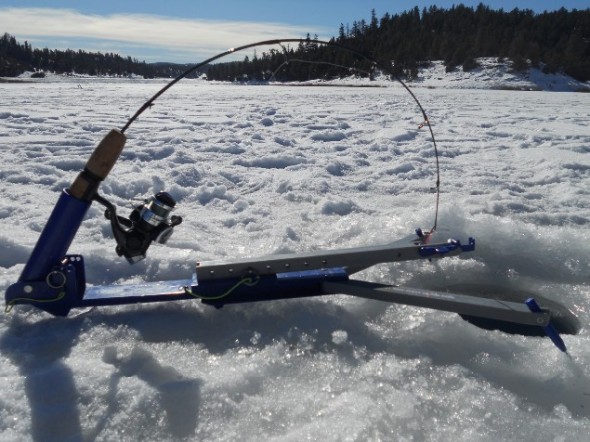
[(98, 165)]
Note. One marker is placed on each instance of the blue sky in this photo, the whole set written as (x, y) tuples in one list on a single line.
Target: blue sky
[(189, 31)]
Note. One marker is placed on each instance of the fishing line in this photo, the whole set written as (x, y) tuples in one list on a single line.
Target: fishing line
[(280, 42), (326, 63)]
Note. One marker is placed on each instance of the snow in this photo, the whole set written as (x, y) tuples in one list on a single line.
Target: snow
[(273, 169), (492, 73)]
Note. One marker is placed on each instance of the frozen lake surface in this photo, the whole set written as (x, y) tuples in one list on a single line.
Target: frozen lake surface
[(261, 170)]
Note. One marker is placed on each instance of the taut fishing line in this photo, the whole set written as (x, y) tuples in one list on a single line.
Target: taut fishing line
[(280, 42)]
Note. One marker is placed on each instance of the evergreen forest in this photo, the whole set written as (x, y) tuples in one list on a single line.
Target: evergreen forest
[(553, 41)]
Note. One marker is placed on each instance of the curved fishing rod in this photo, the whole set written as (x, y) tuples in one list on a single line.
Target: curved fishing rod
[(55, 282), (280, 41)]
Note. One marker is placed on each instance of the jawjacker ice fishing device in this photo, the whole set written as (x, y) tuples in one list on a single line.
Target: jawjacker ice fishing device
[(54, 281)]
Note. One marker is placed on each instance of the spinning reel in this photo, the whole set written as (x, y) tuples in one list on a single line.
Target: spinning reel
[(148, 222)]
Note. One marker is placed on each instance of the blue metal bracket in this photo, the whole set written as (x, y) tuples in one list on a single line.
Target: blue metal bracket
[(549, 329), (62, 288), (452, 247)]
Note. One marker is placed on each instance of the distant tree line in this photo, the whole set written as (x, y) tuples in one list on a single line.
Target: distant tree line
[(16, 58), (555, 41)]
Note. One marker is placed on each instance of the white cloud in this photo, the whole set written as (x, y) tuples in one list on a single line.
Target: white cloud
[(194, 37)]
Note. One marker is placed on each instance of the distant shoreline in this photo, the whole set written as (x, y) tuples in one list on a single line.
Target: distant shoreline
[(9, 80)]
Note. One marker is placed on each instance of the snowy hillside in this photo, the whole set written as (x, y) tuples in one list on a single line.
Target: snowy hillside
[(492, 74), (271, 169)]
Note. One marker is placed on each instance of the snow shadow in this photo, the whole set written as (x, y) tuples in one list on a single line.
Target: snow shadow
[(178, 396), (52, 396), (39, 350), (311, 326), (546, 378), (234, 326)]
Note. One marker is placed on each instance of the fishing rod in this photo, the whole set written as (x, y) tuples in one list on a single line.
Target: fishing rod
[(55, 281), (281, 42)]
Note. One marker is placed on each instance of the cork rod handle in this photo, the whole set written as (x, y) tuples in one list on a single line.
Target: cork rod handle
[(98, 166)]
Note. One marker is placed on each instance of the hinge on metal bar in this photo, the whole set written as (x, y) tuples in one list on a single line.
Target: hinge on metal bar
[(57, 293), (453, 245)]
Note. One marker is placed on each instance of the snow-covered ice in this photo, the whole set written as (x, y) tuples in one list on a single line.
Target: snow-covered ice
[(259, 170)]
